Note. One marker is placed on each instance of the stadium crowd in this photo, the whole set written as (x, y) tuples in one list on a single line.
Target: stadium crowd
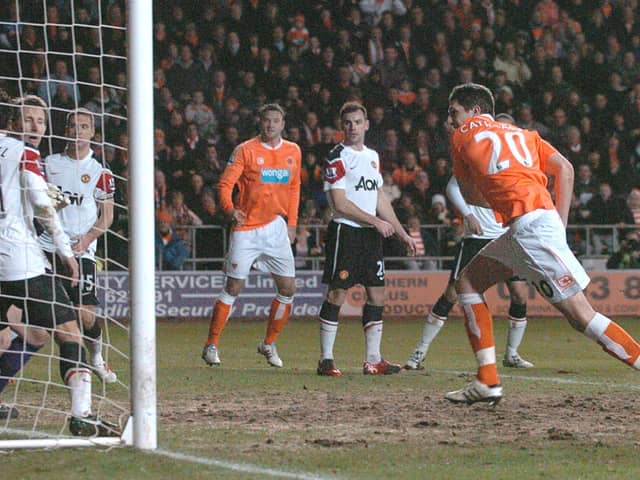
[(569, 69)]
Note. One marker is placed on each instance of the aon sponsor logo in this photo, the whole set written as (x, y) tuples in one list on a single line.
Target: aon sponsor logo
[(275, 175), (366, 184)]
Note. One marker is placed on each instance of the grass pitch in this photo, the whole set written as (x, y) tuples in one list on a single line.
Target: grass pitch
[(574, 416)]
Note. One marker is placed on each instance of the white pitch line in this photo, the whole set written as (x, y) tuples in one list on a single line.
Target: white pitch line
[(210, 462), (569, 381), (240, 467)]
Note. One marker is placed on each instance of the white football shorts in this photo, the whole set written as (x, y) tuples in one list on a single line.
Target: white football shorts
[(267, 248), (535, 248)]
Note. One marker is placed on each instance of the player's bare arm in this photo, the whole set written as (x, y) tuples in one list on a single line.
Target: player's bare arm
[(348, 209), (561, 169), (386, 212), (105, 219)]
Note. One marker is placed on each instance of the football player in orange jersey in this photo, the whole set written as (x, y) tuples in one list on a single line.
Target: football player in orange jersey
[(480, 228), (505, 168), (266, 170)]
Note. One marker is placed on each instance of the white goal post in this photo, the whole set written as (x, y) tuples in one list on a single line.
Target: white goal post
[(42, 397), (141, 191)]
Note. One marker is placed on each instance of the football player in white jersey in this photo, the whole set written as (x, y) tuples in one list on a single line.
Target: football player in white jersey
[(89, 188), (480, 228), (23, 280), (362, 217)]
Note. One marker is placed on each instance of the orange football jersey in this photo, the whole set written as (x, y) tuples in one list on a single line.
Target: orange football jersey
[(268, 181), (505, 163)]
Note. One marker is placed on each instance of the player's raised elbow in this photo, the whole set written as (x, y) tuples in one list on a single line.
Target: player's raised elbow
[(559, 167)]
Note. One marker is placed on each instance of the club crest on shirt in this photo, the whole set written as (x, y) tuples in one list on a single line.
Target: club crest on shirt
[(85, 178), (565, 282), (260, 161), (374, 165), (289, 161), (344, 274)]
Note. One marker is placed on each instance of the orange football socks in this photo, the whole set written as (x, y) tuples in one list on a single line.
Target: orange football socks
[(614, 340), (219, 317), (479, 325), (278, 317)]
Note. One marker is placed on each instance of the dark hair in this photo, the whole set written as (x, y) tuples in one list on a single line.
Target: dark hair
[(471, 94), (351, 107)]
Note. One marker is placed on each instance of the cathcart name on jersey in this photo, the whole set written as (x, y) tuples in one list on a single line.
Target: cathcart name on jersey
[(367, 184), (484, 123), (275, 175)]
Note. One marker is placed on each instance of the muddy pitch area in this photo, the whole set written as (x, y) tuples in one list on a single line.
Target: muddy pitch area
[(334, 420)]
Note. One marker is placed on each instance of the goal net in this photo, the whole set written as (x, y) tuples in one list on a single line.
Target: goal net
[(73, 54)]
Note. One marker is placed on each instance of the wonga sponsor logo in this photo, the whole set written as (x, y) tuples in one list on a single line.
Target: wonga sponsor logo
[(275, 175)]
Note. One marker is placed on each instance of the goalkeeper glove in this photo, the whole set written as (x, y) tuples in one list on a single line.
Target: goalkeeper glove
[(58, 200)]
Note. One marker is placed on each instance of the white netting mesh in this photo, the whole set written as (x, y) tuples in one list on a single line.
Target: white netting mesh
[(72, 53)]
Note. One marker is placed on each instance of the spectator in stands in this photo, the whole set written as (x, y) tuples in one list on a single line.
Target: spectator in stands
[(603, 209), (392, 190), (439, 175), (59, 78), (628, 256), (196, 188), (420, 193), (182, 216), (374, 9), (171, 251), (631, 214), (208, 165), (209, 243), (192, 140), (585, 185), (181, 166), (425, 246), (616, 167), (161, 151), (305, 244), (311, 177), (405, 174), (515, 68), (439, 214), (576, 150), (200, 114), (186, 76)]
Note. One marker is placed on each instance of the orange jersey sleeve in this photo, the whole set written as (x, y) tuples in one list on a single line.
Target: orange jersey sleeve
[(268, 181), (505, 163)]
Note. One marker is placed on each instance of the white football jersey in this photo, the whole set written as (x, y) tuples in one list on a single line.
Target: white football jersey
[(357, 172), (20, 254), (83, 182), (487, 218)]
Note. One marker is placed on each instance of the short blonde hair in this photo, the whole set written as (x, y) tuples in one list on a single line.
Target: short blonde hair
[(19, 103), (271, 107), (81, 111), (351, 107)]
